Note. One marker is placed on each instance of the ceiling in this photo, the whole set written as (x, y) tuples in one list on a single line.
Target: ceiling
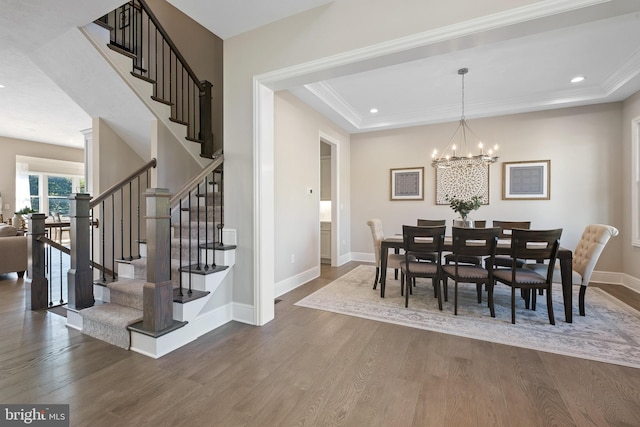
[(507, 75)]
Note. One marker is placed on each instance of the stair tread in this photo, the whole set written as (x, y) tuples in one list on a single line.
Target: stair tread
[(112, 314), (130, 286)]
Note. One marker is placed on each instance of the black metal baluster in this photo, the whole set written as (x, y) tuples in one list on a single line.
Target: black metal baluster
[(60, 259), (180, 245), (103, 264), (130, 222), (121, 224), (138, 215), (189, 248), (206, 224), (198, 225), (113, 238)]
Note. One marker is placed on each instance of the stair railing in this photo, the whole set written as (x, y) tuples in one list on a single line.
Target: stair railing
[(205, 193), (138, 33), (120, 209)]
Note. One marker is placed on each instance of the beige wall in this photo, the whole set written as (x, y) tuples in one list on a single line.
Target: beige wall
[(631, 254), (10, 147), (297, 167), (584, 145)]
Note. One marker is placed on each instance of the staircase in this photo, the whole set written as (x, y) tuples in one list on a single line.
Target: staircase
[(117, 315), (129, 307)]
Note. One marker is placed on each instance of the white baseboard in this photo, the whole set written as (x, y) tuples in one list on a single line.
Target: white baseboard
[(342, 260), (362, 256), (631, 282), (293, 282), (158, 347), (615, 278), (243, 313)]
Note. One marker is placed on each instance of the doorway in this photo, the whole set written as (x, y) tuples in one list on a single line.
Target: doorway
[(325, 203)]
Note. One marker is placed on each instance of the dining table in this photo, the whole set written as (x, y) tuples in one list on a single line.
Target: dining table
[(502, 248)]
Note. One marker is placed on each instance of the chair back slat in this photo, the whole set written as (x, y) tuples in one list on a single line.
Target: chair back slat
[(423, 240), (506, 227), (535, 244), (431, 222), (475, 241)]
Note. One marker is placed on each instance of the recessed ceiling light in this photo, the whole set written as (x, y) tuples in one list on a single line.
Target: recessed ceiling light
[(1, 86), (373, 110), (577, 79)]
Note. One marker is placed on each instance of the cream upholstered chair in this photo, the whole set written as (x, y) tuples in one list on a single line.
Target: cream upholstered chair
[(393, 260), (585, 256)]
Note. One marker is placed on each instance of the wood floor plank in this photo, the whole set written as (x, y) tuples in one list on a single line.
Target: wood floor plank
[(308, 367)]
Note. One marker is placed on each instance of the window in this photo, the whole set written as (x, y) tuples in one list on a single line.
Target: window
[(34, 192), (50, 193), (635, 184)]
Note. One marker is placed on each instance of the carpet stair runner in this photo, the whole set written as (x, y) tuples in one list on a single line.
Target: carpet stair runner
[(110, 321)]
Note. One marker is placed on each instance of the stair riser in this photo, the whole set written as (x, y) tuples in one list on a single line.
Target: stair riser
[(209, 216), (211, 231)]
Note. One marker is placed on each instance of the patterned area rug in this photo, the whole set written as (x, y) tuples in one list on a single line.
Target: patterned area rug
[(609, 332)]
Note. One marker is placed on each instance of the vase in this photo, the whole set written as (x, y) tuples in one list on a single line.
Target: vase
[(463, 223), (16, 221)]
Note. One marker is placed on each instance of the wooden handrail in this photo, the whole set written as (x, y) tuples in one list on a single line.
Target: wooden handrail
[(182, 192), (115, 187), (172, 45)]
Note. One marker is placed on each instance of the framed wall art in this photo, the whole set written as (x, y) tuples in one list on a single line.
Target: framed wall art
[(462, 183), (530, 180), (407, 184)]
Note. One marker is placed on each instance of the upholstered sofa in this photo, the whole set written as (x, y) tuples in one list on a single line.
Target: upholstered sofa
[(13, 251)]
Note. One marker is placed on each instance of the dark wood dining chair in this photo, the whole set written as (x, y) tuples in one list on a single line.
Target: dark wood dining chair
[(539, 245), (473, 260), (506, 230), (430, 223), (471, 243), (419, 241)]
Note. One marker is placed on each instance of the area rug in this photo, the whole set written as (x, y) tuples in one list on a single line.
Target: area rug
[(610, 332)]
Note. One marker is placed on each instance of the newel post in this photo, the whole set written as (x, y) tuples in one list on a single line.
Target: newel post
[(158, 291), (37, 283), (80, 276)]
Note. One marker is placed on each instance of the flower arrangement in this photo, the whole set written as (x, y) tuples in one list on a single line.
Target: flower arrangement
[(25, 210), (464, 207)]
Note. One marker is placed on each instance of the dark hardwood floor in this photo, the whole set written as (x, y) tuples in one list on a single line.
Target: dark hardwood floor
[(308, 367)]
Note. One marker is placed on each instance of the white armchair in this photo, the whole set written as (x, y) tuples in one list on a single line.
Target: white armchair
[(585, 256), (393, 260)]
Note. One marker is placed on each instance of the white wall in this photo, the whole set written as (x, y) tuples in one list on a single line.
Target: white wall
[(631, 254), (584, 145), (297, 167)]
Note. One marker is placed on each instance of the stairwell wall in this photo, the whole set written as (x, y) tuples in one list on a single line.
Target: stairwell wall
[(203, 51)]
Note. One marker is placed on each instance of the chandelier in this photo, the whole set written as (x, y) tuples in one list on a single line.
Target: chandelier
[(459, 156)]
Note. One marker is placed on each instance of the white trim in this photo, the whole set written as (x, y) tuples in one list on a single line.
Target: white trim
[(336, 199), (484, 23), (631, 282), (635, 184), (264, 204), (291, 283), (363, 257), (244, 313), (343, 259)]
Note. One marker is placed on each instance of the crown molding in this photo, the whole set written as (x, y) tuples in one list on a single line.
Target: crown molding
[(485, 23)]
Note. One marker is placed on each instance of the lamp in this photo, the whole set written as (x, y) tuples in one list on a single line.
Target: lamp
[(449, 157)]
